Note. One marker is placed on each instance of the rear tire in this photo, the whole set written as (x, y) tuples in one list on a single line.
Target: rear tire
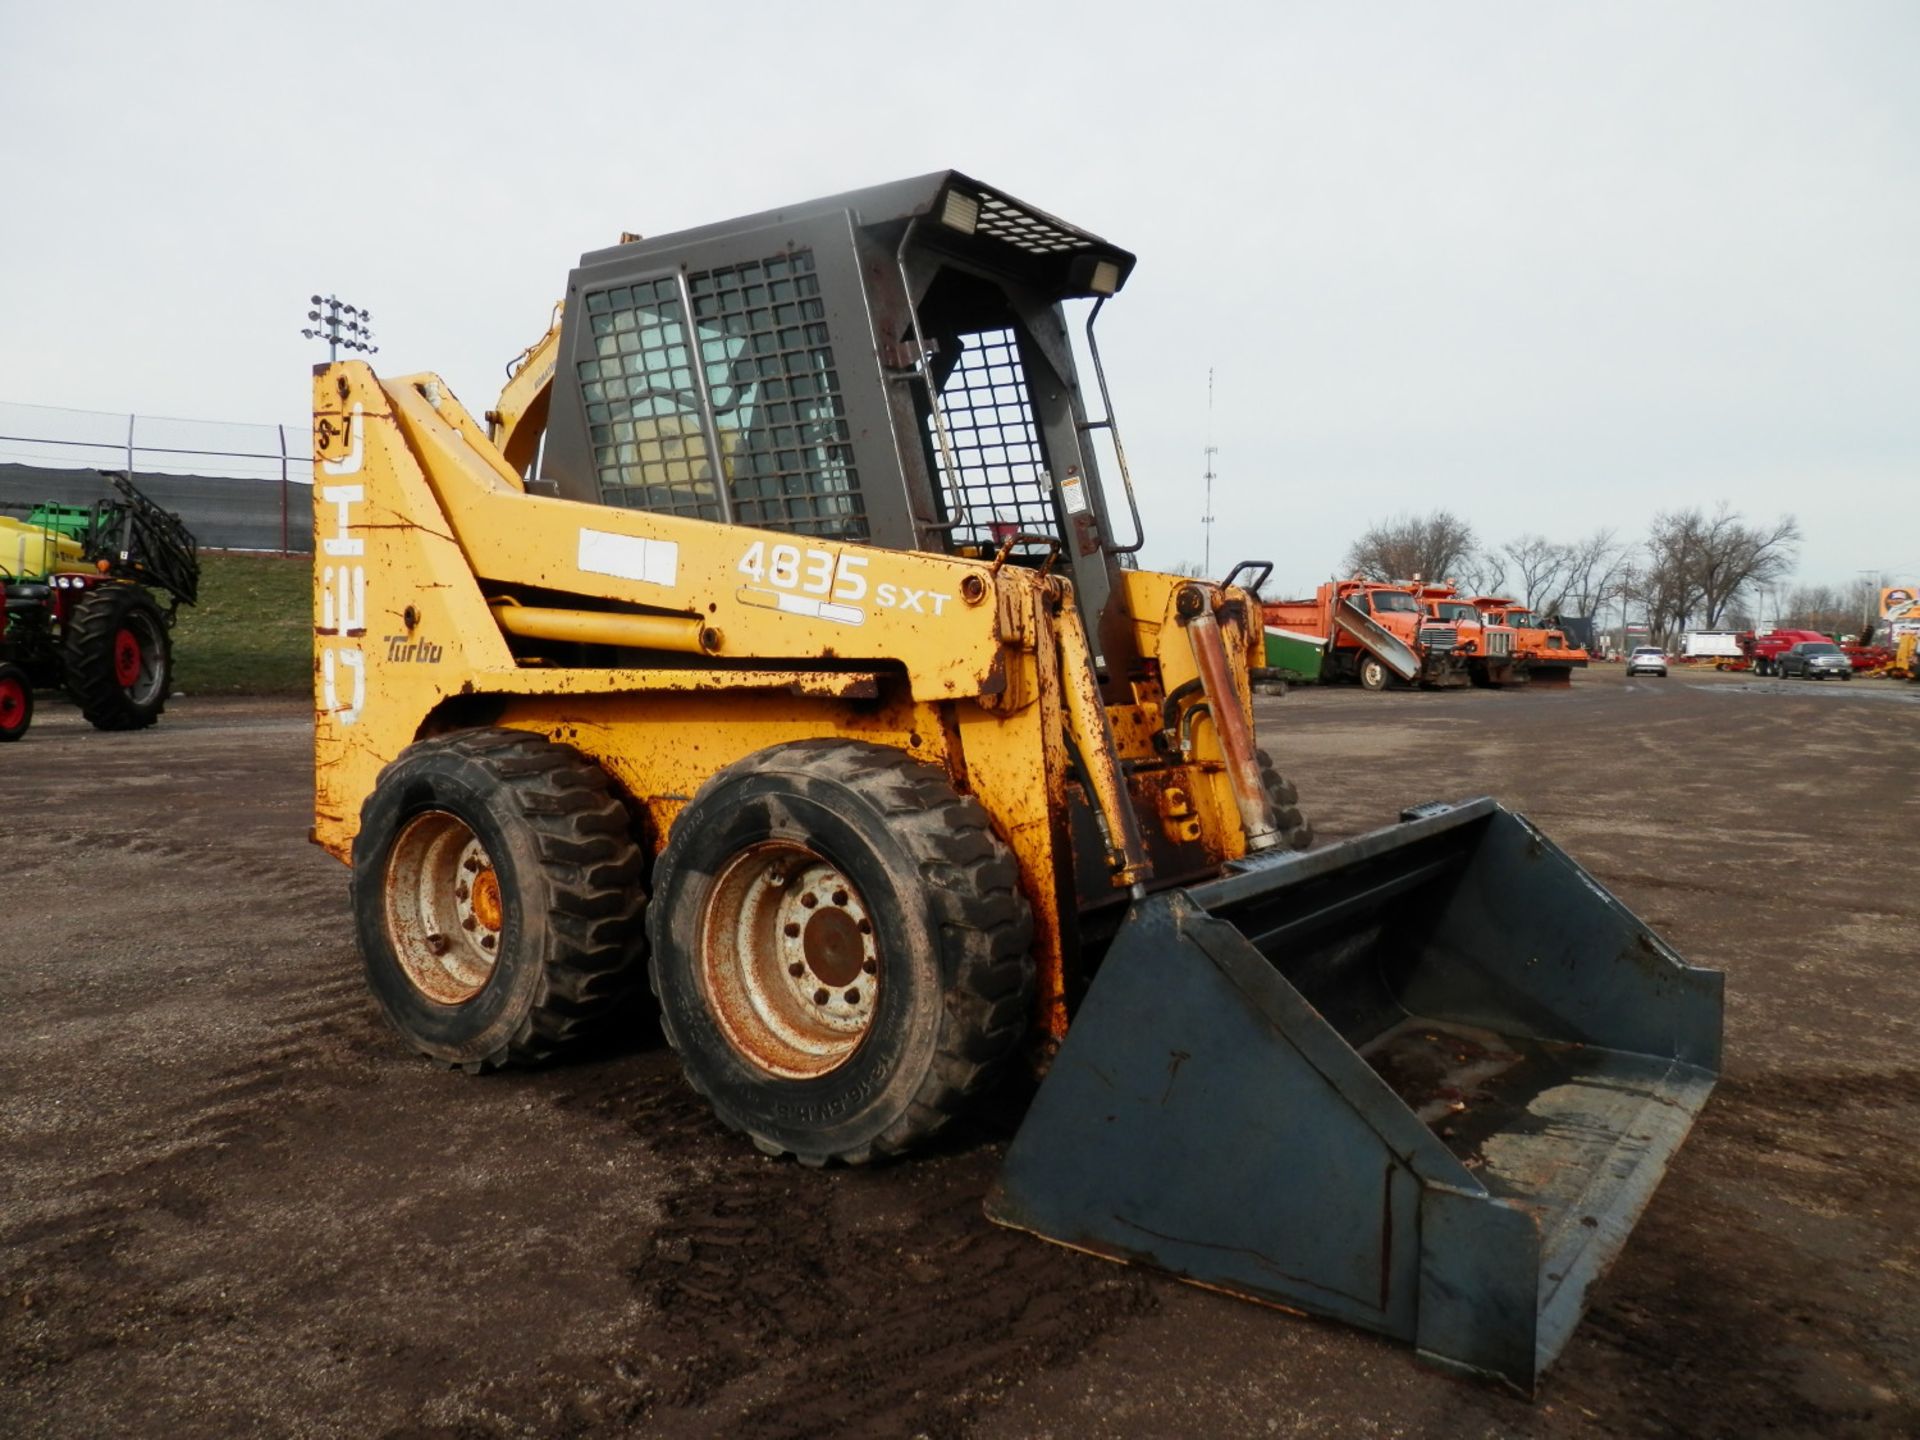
[(1285, 799), (1371, 673), (840, 949), (119, 659), (16, 702), (498, 898)]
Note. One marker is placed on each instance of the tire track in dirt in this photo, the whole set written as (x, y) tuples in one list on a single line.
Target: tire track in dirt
[(1740, 1298), (794, 1308), (240, 1105), (286, 882)]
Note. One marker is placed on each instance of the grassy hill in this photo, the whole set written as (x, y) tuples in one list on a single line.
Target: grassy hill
[(252, 632)]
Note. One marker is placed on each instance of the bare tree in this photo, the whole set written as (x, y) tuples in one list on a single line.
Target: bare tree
[(1541, 567), (1482, 573), (1826, 608), (1666, 586), (1698, 564), (1733, 556), (1429, 546), (1595, 574)]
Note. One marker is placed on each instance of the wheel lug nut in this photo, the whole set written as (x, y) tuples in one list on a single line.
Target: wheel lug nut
[(840, 897), (793, 929), (871, 968), (866, 927), (809, 900), (460, 891), (487, 942), (853, 997), (467, 923), (796, 969), (820, 997)]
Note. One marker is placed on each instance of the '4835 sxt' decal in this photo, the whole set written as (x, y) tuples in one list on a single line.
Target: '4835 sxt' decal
[(824, 585)]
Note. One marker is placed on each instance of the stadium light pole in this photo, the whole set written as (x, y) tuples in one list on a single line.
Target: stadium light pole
[(344, 326), (1870, 592)]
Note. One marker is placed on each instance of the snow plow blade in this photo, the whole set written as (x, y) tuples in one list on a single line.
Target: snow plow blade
[(1378, 641), (1424, 1081)]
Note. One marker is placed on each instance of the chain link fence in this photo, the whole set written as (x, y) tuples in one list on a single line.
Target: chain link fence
[(237, 486)]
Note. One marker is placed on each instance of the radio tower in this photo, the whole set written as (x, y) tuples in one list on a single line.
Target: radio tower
[(1211, 450)]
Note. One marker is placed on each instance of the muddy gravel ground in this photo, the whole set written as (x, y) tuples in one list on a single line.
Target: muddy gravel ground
[(232, 1203)]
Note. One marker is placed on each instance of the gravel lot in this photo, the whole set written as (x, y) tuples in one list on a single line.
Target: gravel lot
[(231, 1202)]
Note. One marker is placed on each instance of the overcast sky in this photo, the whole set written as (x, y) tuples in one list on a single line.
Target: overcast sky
[(1551, 266)]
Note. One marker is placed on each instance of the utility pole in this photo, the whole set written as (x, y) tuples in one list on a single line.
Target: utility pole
[(1870, 586), (1211, 450)]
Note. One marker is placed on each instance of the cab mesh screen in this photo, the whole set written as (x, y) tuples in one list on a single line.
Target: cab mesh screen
[(759, 336), (995, 481)]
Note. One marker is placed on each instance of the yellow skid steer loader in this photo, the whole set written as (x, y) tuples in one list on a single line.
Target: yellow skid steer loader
[(774, 643)]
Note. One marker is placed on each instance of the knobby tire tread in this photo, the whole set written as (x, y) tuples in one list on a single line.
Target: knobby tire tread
[(594, 872), (985, 927), (88, 659)]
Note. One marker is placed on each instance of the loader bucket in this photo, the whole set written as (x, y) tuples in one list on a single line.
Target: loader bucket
[(1424, 1081)]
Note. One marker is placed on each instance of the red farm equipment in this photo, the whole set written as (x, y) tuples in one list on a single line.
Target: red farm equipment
[(84, 591)]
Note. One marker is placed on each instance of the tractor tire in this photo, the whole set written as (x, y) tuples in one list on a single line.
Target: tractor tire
[(119, 658), (1286, 804), (1372, 673), (16, 702), (498, 897), (840, 949)]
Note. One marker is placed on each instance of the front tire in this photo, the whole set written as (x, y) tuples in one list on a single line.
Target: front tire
[(498, 898), (840, 949), (1372, 673), (16, 702), (119, 659)]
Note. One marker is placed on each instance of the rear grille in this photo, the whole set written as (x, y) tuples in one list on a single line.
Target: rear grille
[(1438, 637)]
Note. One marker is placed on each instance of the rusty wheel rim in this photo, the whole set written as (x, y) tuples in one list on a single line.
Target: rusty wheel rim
[(444, 910), (789, 960)]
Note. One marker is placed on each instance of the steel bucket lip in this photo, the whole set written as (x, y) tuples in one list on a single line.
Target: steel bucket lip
[(1272, 870)]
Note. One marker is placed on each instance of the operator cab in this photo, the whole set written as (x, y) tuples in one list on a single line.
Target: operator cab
[(891, 366)]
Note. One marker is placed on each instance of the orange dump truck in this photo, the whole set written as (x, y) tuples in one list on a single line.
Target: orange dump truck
[(1544, 654), (1369, 631), (1487, 647)]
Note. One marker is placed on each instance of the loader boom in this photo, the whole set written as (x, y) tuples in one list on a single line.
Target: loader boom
[(518, 421)]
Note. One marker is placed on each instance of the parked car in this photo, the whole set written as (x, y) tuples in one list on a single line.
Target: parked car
[(1816, 660), (1647, 660)]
